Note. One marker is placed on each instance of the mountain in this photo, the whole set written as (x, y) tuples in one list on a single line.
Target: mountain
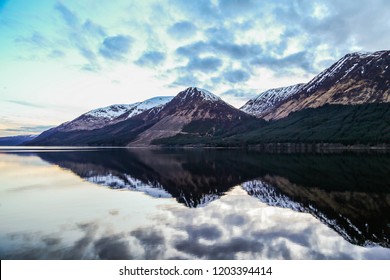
[(268, 100), (102, 117), (16, 140), (114, 125), (357, 78), (347, 104), (193, 113), (344, 125)]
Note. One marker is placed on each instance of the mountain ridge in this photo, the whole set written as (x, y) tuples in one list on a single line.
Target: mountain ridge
[(337, 106), (189, 105), (266, 101), (112, 114), (356, 78)]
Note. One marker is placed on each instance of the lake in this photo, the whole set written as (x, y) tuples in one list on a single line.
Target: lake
[(104, 203)]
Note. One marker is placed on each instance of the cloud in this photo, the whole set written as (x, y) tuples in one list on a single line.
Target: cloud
[(82, 36), (29, 129), (193, 49), (239, 94), (182, 30), (203, 231), (36, 40), (235, 219), (152, 241), (222, 250), (343, 27), (87, 53), (207, 64), (86, 37), (236, 51), (197, 10), (297, 60), (56, 53), (151, 58), (236, 76), (25, 103), (42, 45), (68, 16), (186, 80), (115, 47), (238, 7), (232, 50), (219, 33), (236, 226), (93, 28), (112, 247)]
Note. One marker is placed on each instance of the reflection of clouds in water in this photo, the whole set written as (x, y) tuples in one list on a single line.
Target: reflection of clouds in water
[(235, 227)]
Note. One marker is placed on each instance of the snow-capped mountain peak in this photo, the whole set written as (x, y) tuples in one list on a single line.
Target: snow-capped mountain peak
[(357, 78), (195, 92), (267, 100), (357, 62)]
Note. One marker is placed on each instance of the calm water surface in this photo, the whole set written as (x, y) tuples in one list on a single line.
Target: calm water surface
[(192, 204)]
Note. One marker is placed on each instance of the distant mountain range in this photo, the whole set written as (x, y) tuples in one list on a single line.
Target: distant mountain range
[(348, 103), (16, 140)]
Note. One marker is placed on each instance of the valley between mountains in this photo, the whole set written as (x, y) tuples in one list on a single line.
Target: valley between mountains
[(346, 104)]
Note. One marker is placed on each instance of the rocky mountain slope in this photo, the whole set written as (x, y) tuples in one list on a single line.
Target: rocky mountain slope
[(191, 107), (357, 78), (268, 100)]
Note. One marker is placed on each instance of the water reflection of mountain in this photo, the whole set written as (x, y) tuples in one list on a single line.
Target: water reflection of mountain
[(193, 177), (349, 193)]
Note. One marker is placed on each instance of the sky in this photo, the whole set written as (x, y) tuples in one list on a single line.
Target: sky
[(60, 59)]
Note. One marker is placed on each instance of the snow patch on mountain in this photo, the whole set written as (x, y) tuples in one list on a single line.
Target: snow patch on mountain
[(130, 183), (114, 111), (268, 99), (205, 200), (159, 101), (270, 195), (346, 65), (193, 92), (111, 112)]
